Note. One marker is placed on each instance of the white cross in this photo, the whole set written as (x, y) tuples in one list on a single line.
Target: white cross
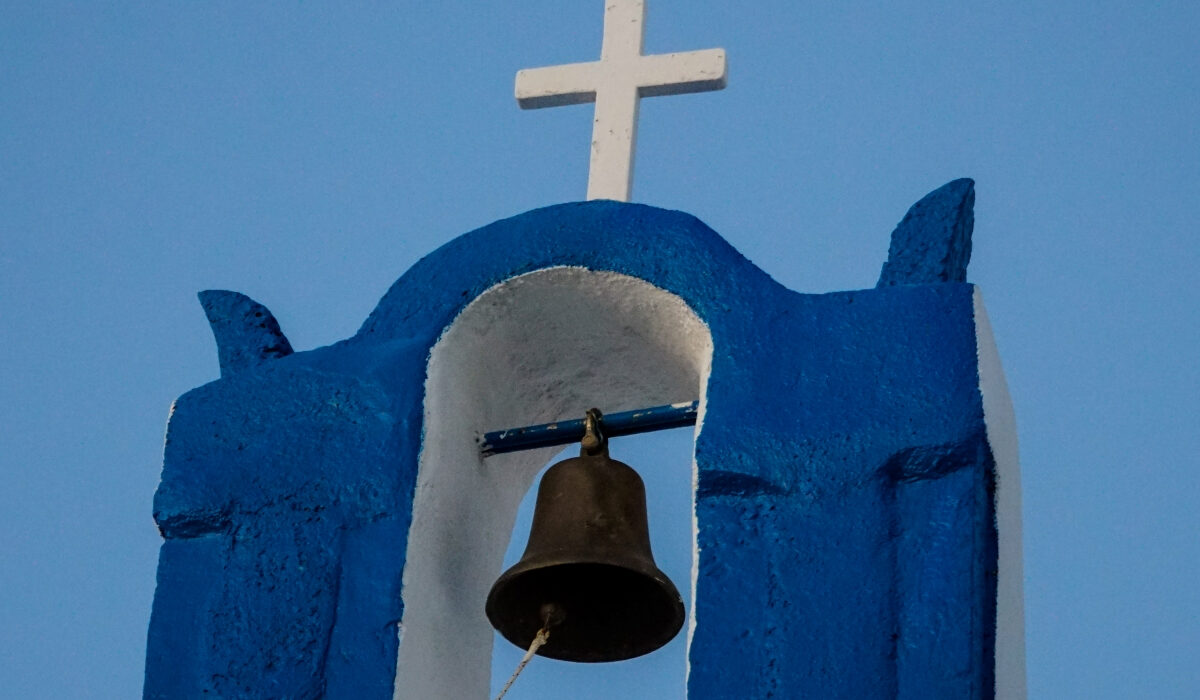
[(615, 83)]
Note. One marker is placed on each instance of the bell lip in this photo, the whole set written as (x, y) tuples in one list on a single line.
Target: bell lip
[(655, 642)]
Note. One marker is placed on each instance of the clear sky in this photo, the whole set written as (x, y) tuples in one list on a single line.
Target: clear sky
[(307, 153)]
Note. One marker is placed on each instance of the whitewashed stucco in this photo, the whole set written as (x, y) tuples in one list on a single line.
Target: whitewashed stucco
[(1001, 425)]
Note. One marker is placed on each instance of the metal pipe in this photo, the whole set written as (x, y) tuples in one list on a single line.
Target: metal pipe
[(676, 415)]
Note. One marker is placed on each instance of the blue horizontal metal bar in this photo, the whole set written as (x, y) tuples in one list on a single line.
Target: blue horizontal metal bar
[(565, 432)]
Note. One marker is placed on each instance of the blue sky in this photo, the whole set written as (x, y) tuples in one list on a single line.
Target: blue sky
[(307, 153)]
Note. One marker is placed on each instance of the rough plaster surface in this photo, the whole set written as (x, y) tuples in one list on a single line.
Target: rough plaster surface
[(247, 334), (849, 527), (933, 242)]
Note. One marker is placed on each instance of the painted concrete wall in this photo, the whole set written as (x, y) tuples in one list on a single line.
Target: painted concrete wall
[(326, 517)]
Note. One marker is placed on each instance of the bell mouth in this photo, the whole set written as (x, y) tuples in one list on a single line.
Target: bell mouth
[(608, 612)]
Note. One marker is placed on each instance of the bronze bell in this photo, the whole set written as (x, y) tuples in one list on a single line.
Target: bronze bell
[(587, 571)]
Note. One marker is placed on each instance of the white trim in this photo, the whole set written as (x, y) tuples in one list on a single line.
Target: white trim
[(1001, 427)]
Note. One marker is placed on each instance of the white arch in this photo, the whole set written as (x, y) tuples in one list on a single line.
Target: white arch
[(533, 349)]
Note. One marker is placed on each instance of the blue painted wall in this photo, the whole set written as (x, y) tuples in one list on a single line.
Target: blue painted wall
[(845, 502)]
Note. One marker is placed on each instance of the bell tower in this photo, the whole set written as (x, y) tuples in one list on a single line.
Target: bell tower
[(334, 519)]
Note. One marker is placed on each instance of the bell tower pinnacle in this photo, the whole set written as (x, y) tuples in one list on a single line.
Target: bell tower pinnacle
[(615, 83)]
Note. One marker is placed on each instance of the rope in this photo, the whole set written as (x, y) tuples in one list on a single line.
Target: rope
[(542, 635)]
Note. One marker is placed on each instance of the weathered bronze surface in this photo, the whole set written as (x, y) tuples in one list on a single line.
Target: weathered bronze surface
[(588, 569)]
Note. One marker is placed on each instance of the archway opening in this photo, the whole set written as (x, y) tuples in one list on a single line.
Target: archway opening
[(534, 349)]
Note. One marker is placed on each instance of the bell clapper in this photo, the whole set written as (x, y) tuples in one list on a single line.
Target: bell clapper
[(552, 615)]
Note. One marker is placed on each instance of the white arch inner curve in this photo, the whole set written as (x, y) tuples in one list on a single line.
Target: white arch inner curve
[(533, 349)]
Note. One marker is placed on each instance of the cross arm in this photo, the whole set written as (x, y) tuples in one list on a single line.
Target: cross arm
[(681, 73), (555, 86)]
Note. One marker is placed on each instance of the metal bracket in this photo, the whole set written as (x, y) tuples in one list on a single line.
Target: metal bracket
[(645, 420)]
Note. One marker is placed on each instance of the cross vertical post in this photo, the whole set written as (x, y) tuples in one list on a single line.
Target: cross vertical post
[(616, 83)]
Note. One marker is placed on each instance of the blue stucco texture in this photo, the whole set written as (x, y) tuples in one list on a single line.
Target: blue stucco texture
[(247, 333), (933, 242), (846, 522)]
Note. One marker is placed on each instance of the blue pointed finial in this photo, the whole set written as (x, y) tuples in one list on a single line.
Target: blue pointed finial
[(247, 334), (933, 242)]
